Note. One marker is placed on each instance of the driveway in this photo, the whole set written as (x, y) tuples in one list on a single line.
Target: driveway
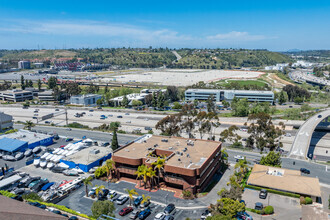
[(284, 207)]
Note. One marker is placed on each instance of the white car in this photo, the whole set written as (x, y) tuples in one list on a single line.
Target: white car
[(160, 216), (239, 157)]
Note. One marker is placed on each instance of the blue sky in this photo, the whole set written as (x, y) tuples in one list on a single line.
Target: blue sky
[(269, 24)]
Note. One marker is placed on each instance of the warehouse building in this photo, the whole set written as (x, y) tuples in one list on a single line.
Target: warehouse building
[(12, 145), (6, 121), (190, 163), (85, 100), (88, 158), (32, 139), (229, 95), (285, 180)]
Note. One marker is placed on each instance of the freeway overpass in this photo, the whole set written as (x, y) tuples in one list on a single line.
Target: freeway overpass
[(303, 138)]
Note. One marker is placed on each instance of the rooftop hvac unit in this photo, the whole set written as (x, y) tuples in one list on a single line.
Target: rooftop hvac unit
[(170, 148), (188, 155), (164, 140), (95, 151)]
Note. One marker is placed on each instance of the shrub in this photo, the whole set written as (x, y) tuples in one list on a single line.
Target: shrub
[(99, 172), (269, 210), (308, 200), (11, 131), (6, 193), (121, 132), (102, 207), (32, 195), (302, 200), (186, 194)]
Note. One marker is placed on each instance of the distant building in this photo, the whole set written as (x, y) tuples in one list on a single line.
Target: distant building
[(134, 96), (16, 95), (6, 121), (46, 96), (24, 64), (85, 100), (152, 91), (228, 95), (38, 65)]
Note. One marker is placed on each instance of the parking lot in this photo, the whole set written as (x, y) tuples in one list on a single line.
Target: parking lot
[(284, 207), (79, 202)]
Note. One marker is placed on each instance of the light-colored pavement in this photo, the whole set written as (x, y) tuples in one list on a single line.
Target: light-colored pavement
[(302, 140)]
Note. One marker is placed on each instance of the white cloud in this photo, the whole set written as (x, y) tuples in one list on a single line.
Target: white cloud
[(236, 36)]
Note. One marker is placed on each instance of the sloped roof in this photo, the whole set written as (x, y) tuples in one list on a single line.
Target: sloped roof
[(11, 145)]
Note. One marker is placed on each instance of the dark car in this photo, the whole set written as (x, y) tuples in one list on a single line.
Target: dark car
[(56, 137), (304, 170), (99, 108), (169, 208), (263, 194), (91, 110), (57, 110), (147, 128), (137, 201), (27, 183), (169, 217), (57, 212), (39, 185), (125, 211), (18, 198), (68, 139), (119, 116), (73, 218), (319, 116), (144, 213), (258, 206), (58, 169), (205, 214), (103, 194)]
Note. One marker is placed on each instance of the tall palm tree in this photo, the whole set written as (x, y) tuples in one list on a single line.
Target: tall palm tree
[(109, 166), (29, 124), (131, 192), (150, 173), (140, 172), (87, 181), (159, 165), (98, 189)]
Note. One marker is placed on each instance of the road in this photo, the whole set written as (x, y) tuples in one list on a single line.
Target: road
[(302, 140)]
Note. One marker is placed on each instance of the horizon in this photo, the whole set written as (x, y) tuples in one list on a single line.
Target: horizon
[(276, 26)]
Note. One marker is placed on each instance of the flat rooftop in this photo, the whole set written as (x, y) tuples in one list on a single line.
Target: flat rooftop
[(181, 152), (86, 156), (25, 135), (284, 179), (229, 91)]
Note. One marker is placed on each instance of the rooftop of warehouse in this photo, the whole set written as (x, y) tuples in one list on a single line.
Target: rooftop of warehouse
[(88, 155), (25, 135)]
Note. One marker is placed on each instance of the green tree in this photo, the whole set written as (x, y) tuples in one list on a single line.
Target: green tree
[(225, 104), (131, 192), (30, 83), (99, 102), (114, 125), (52, 82), (136, 103), (124, 102), (114, 142), (177, 105), (283, 98), (298, 100), (26, 83), (172, 93), (87, 181), (106, 89), (170, 125), (32, 196), (29, 124), (154, 100), (229, 207), (272, 159), (22, 82), (140, 172), (210, 104), (145, 198), (240, 107), (160, 100), (39, 84), (109, 166), (103, 208)]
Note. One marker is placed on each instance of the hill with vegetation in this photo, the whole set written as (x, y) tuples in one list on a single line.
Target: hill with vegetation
[(153, 58)]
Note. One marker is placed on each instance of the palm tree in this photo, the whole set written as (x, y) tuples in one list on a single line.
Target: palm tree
[(145, 198), (159, 165), (131, 192), (87, 181), (29, 125), (243, 167), (109, 166), (140, 172), (150, 173), (98, 190)]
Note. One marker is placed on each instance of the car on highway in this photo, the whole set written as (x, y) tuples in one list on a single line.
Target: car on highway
[(122, 200), (144, 213), (91, 110), (239, 157), (128, 122), (134, 214), (147, 128), (69, 129), (99, 108), (319, 116), (110, 115), (304, 170), (125, 211), (119, 116), (263, 194), (126, 113), (169, 208)]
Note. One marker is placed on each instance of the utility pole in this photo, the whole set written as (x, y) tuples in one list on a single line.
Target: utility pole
[(66, 117)]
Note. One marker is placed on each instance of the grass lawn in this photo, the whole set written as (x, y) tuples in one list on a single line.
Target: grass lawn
[(258, 82)]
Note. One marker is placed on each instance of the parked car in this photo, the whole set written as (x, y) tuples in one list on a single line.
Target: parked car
[(110, 115), (145, 204), (147, 128), (91, 110), (112, 194), (105, 144), (169, 217), (119, 116), (122, 200), (128, 122), (144, 213), (125, 211), (169, 208), (258, 206), (239, 157), (137, 201), (68, 139), (134, 214), (243, 216), (92, 191), (263, 194), (56, 109), (319, 116), (205, 214), (160, 216), (304, 170), (103, 194)]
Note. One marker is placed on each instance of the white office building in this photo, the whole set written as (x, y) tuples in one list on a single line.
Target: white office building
[(228, 95), (85, 100), (6, 121), (23, 64)]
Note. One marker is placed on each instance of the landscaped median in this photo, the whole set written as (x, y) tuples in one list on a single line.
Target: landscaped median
[(273, 191)]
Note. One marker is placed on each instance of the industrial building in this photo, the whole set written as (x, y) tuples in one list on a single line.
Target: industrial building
[(24, 64), (285, 180), (85, 100), (229, 95), (6, 121), (16, 95), (88, 158), (190, 163), (23, 139)]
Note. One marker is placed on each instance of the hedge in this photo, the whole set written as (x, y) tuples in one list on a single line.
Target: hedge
[(274, 191), (7, 194), (269, 210), (308, 200), (266, 210), (62, 208)]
